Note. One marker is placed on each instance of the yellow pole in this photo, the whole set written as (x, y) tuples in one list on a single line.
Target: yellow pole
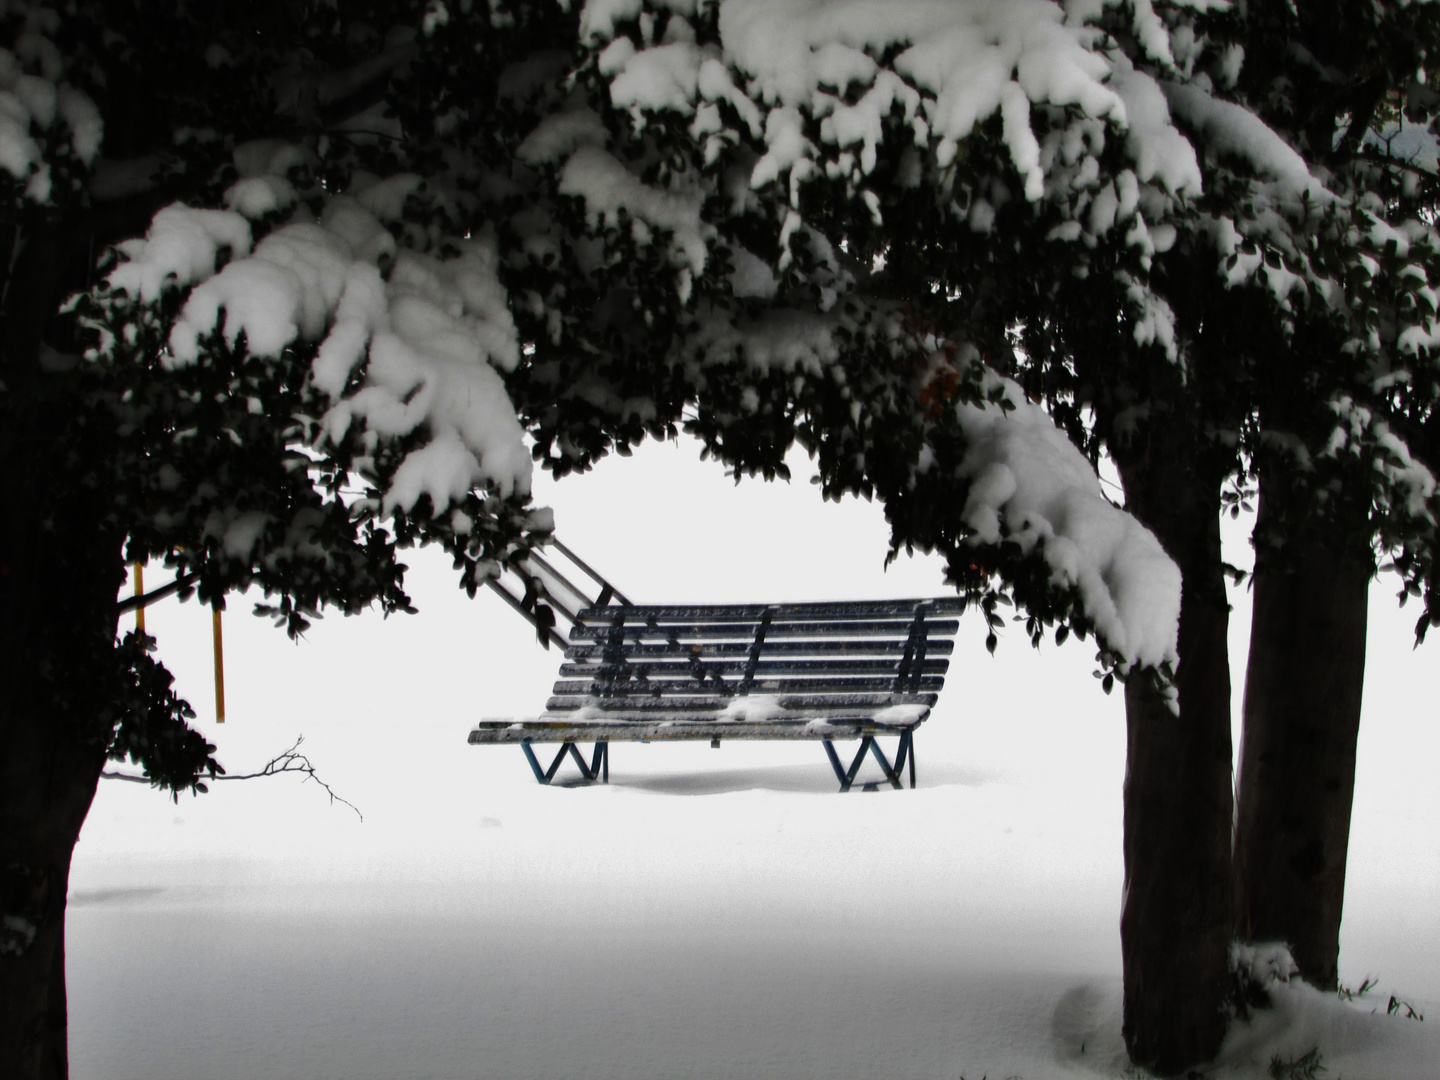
[(140, 591), (219, 671)]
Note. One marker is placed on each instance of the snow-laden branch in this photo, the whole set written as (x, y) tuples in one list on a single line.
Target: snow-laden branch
[(1030, 486), (35, 103), (429, 339), (652, 242)]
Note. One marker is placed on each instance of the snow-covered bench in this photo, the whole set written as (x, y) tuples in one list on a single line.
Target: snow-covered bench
[(826, 671)]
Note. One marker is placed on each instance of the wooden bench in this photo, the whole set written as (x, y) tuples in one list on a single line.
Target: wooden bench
[(823, 671)]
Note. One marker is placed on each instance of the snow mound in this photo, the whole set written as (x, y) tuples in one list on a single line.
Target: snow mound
[(1356, 1040), (1351, 1040)]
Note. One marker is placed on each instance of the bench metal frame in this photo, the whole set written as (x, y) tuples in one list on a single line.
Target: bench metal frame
[(906, 750), (599, 766)]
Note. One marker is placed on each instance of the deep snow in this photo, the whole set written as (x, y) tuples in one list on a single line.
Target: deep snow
[(710, 913)]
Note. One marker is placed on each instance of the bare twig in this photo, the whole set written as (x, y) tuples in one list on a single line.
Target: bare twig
[(288, 761)]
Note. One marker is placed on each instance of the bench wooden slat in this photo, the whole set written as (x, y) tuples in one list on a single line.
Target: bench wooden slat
[(638, 631), (680, 728), (693, 687), (717, 703), (811, 647), (675, 668), (826, 611)]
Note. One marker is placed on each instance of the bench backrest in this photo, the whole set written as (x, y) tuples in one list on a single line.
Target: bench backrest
[(865, 655)]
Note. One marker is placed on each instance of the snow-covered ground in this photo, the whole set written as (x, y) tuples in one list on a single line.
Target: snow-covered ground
[(712, 913)]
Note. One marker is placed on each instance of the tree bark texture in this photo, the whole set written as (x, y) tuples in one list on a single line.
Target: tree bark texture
[(1303, 687), (1175, 922)]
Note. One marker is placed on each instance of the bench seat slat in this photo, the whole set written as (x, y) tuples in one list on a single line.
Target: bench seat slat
[(638, 631), (674, 668), (702, 726), (791, 703), (811, 648), (683, 687), (826, 611)]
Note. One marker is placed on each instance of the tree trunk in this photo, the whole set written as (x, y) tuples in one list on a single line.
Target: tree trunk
[(1303, 686), (57, 626), (60, 570), (1175, 923), (36, 879)]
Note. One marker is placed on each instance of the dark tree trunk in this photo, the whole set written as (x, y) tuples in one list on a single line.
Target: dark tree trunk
[(54, 731), (36, 874), (60, 570), (1303, 689), (1175, 924), (57, 626)]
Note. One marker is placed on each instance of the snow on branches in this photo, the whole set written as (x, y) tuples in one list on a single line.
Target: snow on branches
[(50, 132), (644, 242), (979, 105), (435, 331), (1031, 486), (607, 221), (403, 383)]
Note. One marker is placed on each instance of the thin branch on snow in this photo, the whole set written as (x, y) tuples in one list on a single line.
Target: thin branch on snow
[(288, 761)]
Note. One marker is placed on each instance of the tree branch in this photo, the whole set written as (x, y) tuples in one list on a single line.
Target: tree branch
[(130, 603), (288, 761), (1371, 93)]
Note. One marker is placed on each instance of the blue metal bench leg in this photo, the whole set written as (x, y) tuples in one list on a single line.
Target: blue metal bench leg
[(844, 775), (599, 763), (905, 751), (892, 772), (867, 743), (543, 775), (835, 764), (579, 761)]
